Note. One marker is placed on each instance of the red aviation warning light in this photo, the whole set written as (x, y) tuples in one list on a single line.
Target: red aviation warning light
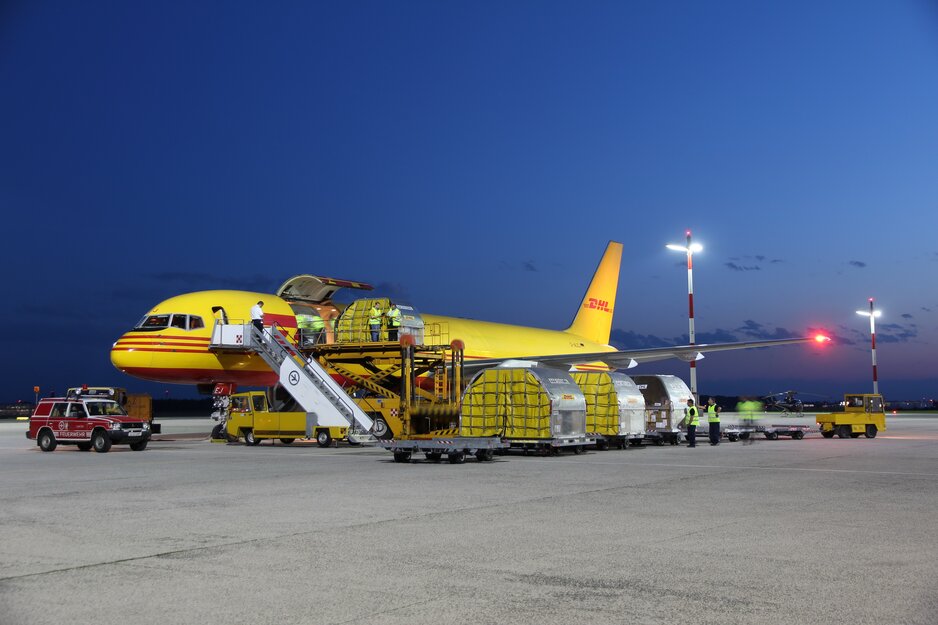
[(821, 338)]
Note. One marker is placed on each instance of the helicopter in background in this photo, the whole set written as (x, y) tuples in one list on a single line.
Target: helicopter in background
[(787, 402)]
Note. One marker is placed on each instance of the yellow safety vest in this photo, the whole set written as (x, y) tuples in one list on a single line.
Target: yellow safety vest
[(394, 317), (374, 317), (317, 323), (712, 415), (692, 418)]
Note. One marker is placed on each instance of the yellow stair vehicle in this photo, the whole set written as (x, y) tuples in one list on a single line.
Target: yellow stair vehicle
[(251, 418), (863, 414)]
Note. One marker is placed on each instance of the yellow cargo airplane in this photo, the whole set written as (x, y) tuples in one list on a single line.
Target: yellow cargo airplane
[(171, 342)]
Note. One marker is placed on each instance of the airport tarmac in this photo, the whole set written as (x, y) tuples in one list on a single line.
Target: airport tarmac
[(810, 531)]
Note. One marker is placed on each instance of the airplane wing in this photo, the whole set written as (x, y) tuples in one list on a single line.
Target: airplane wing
[(626, 359)]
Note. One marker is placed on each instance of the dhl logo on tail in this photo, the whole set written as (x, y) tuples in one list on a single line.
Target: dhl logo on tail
[(598, 304)]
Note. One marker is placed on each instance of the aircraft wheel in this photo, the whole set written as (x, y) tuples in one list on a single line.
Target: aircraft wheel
[(47, 441), (100, 441), (139, 445), (870, 431), (323, 438), (287, 441), (827, 433)]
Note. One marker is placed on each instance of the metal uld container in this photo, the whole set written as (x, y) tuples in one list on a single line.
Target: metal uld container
[(529, 403), (614, 405), (665, 399)]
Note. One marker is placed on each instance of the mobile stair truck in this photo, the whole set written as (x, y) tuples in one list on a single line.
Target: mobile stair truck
[(863, 414)]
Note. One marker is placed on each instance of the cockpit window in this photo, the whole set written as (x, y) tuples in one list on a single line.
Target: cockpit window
[(153, 322), (177, 320)]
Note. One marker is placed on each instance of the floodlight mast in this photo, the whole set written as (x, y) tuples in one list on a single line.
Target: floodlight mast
[(689, 249), (872, 314)]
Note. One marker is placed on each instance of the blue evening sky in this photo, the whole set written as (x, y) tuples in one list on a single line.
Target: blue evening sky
[(473, 159)]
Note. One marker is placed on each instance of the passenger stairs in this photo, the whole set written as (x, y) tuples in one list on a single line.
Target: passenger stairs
[(309, 384)]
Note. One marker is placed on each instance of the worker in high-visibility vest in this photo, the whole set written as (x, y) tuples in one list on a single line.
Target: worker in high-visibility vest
[(394, 322), (713, 421), (374, 322), (692, 419)]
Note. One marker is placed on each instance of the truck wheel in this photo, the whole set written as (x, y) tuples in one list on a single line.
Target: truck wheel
[(139, 445), (456, 457), (870, 431), (843, 431), (323, 438), (381, 429), (101, 441), (84, 446), (771, 435), (249, 439), (797, 435), (287, 441), (484, 455), (46, 441), (827, 433), (401, 456)]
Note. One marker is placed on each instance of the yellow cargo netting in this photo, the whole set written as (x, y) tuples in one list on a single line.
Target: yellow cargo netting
[(508, 402), (602, 401)]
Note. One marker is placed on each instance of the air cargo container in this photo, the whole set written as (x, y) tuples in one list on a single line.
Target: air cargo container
[(665, 400), (615, 408), (531, 407)]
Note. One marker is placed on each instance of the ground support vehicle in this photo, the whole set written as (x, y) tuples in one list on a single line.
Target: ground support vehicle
[(251, 417), (137, 405), (771, 432), (88, 423), (665, 400), (863, 414)]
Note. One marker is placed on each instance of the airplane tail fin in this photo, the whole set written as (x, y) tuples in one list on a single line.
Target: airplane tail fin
[(593, 320)]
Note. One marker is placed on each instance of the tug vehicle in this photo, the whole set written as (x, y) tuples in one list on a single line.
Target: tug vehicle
[(863, 414)]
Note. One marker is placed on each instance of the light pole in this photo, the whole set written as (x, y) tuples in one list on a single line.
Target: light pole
[(689, 249), (872, 314)]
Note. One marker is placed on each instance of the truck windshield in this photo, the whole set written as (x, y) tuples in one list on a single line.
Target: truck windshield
[(105, 408)]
